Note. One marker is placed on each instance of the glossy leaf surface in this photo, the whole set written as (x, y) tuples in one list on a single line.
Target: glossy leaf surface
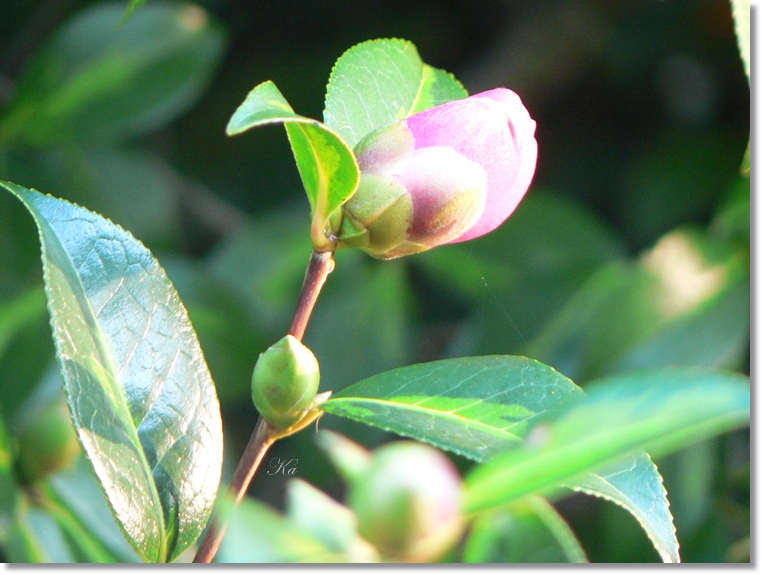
[(635, 484), (326, 163), (140, 394), (473, 406), (379, 81)]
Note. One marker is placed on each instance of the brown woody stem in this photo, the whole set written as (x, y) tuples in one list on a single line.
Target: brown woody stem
[(264, 435)]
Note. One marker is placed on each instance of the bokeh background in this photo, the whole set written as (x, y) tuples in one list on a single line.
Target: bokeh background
[(631, 248)]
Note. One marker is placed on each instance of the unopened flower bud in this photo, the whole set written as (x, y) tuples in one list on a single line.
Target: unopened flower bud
[(47, 443), (285, 381), (445, 175), (408, 502)]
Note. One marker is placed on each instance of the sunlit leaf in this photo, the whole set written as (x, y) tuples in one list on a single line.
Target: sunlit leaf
[(742, 18), (659, 411), (635, 484), (685, 302), (140, 394), (379, 81), (326, 163), (474, 406)]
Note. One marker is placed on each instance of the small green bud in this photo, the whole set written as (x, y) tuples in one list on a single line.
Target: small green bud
[(48, 443), (408, 502), (285, 382)]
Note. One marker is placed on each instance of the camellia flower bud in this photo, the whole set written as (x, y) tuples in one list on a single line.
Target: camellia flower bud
[(47, 443), (448, 174), (408, 502), (285, 381)]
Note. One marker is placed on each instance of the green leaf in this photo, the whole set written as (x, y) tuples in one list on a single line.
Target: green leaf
[(258, 534), (529, 531), (326, 163), (131, 8), (83, 544), (742, 18), (379, 81), (635, 484), (76, 489), (135, 189), (684, 302), (9, 502), (96, 81), (328, 521), (475, 406), (140, 394), (659, 411), (478, 407)]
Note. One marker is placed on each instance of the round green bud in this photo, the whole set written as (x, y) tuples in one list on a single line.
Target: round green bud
[(408, 502), (48, 443), (285, 381)]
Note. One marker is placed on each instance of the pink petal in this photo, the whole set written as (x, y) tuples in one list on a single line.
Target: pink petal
[(476, 127)]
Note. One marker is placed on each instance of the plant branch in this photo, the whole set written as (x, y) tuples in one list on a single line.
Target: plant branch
[(264, 435), (259, 442), (321, 264)]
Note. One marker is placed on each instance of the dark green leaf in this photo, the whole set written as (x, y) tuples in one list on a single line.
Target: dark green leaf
[(140, 393), (379, 81), (529, 531), (475, 406), (659, 411), (95, 80), (135, 189), (326, 163)]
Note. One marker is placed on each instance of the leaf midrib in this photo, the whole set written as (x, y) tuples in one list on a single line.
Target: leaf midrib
[(495, 431)]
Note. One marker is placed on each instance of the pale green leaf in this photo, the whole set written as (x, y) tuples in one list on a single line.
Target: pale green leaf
[(529, 531), (742, 18), (659, 411), (328, 521), (257, 533), (326, 163), (140, 394), (379, 81)]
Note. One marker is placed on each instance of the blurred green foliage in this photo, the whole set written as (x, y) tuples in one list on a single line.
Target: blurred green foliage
[(630, 250)]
